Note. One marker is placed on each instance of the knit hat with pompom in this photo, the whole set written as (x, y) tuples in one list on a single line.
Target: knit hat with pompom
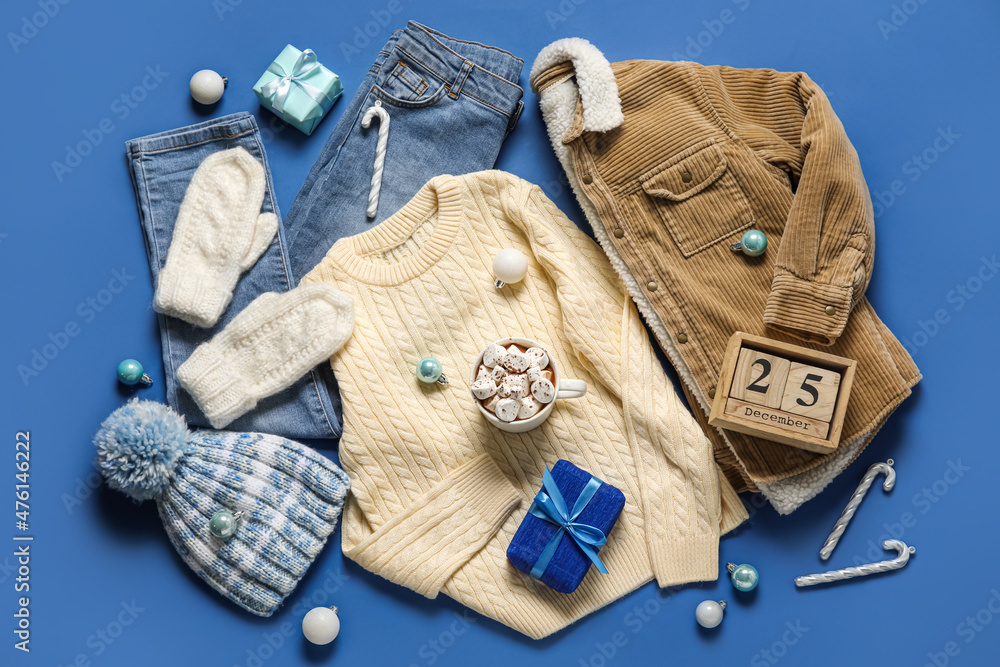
[(290, 496)]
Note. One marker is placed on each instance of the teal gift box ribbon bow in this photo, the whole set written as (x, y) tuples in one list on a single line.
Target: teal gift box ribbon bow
[(550, 506), (280, 87)]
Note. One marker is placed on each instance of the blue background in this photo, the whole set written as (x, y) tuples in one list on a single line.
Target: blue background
[(900, 75)]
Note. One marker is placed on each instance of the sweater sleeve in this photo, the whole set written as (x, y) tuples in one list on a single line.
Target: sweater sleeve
[(678, 479), (422, 546), (828, 244)]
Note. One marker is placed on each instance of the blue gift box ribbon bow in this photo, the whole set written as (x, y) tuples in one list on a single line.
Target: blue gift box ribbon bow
[(550, 506), (280, 87)]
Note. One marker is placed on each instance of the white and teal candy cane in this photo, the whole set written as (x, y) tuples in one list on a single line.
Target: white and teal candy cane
[(902, 558), (852, 505), (383, 140)]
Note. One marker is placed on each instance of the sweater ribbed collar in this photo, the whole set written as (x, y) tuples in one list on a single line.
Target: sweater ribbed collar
[(441, 197)]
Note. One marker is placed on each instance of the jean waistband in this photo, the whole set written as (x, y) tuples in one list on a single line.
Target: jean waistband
[(485, 72), (224, 127)]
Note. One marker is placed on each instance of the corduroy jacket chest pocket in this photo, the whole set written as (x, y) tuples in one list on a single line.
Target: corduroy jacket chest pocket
[(697, 197)]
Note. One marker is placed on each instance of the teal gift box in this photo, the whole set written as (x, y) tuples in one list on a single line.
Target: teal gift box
[(298, 89)]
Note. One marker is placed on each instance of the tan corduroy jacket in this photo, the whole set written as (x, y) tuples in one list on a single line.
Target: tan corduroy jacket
[(671, 163)]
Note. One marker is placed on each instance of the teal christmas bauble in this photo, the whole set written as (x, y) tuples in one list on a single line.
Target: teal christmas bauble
[(744, 577), (429, 370), (753, 243), (223, 524), (130, 372)]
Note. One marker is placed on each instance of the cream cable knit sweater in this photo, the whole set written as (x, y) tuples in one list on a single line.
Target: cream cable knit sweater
[(437, 491)]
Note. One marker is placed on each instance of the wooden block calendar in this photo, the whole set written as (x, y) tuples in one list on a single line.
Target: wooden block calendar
[(782, 392)]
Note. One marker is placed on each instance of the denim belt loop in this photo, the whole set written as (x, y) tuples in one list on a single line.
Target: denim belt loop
[(456, 87)]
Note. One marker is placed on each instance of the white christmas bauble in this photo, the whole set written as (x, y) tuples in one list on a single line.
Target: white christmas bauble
[(321, 625), (510, 265), (207, 86), (709, 613)]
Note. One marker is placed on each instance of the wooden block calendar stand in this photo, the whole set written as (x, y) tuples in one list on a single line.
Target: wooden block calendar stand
[(783, 392)]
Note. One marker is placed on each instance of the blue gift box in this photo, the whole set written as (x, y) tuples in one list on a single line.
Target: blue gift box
[(569, 562), (298, 89)]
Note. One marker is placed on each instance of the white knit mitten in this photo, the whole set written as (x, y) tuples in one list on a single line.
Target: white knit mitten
[(276, 340), (220, 233)]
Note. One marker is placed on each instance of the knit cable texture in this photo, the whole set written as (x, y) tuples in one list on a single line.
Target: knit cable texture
[(437, 491)]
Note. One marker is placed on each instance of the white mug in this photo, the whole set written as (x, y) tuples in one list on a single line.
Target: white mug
[(565, 388)]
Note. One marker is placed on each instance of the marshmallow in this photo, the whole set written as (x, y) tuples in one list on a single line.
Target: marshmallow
[(537, 356), (483, 372), (498, 373), (516, 386), (493, 355), (491, 403), (484, 388), (529, 408), (507, 409), (549, 375), (543, 391), (516, 362), (503, 388)]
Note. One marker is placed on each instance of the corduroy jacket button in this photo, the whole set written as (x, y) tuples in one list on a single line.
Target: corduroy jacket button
[(682, 338), (587, 179), (830, 310), (711, 392), (686, 177), (651, 285), (619, 232)]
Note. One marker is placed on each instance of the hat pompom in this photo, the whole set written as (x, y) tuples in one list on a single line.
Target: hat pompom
[(139, 446)]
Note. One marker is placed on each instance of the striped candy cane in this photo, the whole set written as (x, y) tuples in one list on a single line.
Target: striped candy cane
[(902, 558), (383, 139), (852, 505)]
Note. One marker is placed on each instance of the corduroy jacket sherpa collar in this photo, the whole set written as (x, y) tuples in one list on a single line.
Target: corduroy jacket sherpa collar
[(671, 162)]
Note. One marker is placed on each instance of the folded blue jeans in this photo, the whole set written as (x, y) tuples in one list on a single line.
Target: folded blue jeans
[(451, 103)]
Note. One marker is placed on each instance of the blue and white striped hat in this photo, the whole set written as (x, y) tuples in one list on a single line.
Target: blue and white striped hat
[(290, 497)]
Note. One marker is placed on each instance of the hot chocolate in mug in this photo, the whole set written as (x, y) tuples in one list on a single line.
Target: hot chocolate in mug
[(563, 387)]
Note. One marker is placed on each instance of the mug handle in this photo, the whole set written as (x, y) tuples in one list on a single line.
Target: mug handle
[(571, 389)]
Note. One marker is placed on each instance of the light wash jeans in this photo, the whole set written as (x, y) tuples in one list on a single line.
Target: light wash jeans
[(451, 103)]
